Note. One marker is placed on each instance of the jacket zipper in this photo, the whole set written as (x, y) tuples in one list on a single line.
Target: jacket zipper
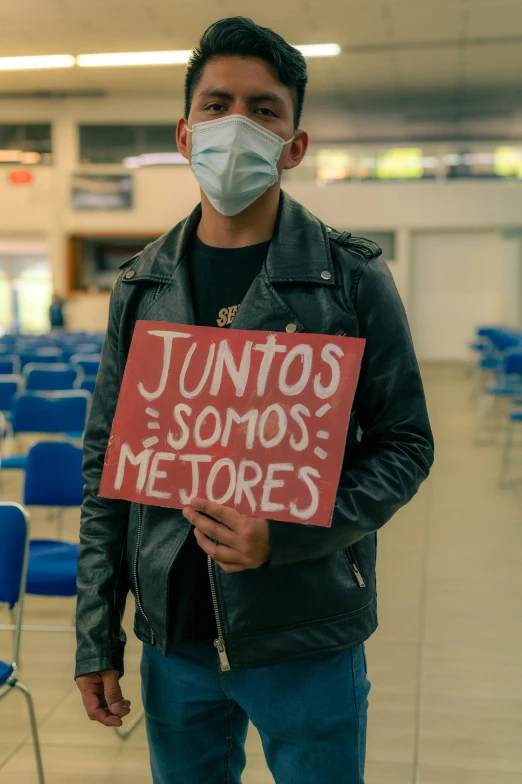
[(219, 644), (355, 568), (137, 590)]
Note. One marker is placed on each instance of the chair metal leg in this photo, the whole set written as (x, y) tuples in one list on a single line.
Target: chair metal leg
[(59, 520), (485, 407), (12, 616), (124, 734), (506, 454), (31, 627), (34, 730)]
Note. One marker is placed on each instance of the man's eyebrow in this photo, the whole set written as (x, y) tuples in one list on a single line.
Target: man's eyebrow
[(216, 92), (271, 97)]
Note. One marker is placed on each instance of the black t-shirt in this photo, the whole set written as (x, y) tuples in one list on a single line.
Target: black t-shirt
[(219, 279)]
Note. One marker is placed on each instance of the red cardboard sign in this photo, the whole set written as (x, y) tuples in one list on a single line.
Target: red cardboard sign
[(252, 420)]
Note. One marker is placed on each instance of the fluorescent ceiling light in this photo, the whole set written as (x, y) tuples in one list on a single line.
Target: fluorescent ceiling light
[(10, 155), (154, 159), (115, 59), (319, 50), (118, 59), (179, 57), (36, 63)]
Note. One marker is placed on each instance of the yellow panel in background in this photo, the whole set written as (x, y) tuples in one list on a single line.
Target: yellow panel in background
[(401, 163), (333, 165), (508, 162)]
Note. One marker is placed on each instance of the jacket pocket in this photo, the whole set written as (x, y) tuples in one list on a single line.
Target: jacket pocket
[(133, 553), (355, 567)]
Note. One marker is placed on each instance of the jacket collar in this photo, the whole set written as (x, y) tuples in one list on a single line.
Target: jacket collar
[(299, 251)]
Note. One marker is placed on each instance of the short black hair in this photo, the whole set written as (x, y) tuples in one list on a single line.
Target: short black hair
[(241, 37)]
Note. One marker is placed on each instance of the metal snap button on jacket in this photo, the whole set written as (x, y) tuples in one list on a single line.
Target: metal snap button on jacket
[(130, 274), (326, 275), (291, 328)]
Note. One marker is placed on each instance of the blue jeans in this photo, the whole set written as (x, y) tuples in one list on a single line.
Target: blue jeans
[(310, 713)]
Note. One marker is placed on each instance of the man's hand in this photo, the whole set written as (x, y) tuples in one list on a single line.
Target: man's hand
[(102, 697), (244, 542)]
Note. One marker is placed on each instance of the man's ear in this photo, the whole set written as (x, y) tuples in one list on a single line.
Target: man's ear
[(297, 150), (182, 139)]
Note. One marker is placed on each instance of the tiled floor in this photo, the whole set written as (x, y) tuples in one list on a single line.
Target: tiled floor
[(445, 664)]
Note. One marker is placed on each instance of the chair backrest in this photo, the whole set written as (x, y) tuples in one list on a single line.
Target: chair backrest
[(9, 365), (505, 339), (58, 412), (10, 385), (513, 362), (13, 551), (89, 363), (53, 474), (49, 378), (88, 348), (47, 356), (88, 383), (3, 433)]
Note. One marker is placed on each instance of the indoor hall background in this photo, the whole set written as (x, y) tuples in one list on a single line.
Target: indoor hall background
[(440, 78)]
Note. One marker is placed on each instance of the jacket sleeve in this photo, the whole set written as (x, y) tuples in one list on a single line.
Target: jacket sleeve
[(396, 451), (102, 570)]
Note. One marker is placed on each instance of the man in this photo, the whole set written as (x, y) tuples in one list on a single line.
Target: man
[(244, 617), (56, 315)]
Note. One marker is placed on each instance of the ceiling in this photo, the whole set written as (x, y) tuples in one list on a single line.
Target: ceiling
[(419, 63)]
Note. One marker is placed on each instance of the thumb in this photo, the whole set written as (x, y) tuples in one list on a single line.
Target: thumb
[(112, 691)]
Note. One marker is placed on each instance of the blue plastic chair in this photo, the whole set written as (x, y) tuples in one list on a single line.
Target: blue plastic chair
[(9, 365), (56, 412), (89, 363), (53, 568), (14, 550), (88, 348), (491, 411), (514, 418), (53, 476), (10, 386), (88, 384), (51, 378), (509, 378), (41, 356)]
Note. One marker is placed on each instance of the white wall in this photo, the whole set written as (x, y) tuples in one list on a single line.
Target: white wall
[(164, 195), (460, 279)]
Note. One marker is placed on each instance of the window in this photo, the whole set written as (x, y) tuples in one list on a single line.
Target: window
[(384, 239), (114, 143), (94, 262), (25, 291), (28, 143)]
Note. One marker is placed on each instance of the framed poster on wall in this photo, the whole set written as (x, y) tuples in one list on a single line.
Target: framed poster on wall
[(101, 192)]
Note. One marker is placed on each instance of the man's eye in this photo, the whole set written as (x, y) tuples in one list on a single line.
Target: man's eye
[(214, 107), (266, 112)]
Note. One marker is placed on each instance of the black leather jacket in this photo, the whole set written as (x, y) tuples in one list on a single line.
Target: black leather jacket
[(318, 593)]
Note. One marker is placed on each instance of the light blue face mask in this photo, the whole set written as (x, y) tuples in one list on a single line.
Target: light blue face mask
[(235, 161)]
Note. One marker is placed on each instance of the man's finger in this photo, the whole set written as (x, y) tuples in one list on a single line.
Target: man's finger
[(105, 717), (209, 527), (232, 568), (224, 514), (94, 703), (217, 552), (113, 695)]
